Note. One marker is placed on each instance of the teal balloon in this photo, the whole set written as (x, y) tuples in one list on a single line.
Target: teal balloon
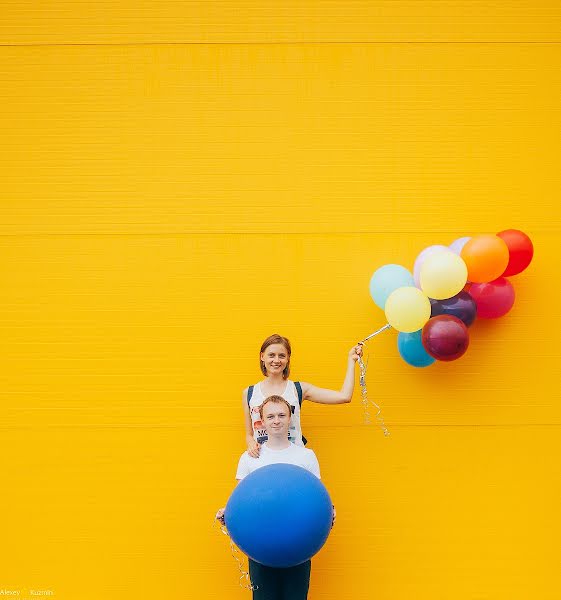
[(412, 351), (386, 280)]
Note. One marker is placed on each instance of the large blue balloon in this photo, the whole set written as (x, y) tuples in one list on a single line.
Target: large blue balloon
[(279, 515), (386, 280), (412, 351)]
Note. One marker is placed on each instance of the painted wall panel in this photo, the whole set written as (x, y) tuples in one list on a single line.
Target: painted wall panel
[(165, 207), (290, 21)]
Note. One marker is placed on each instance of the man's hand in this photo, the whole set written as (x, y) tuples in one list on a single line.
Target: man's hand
[(220, 515), (334, 517)]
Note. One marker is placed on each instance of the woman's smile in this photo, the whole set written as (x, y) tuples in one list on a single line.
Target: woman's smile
[(275, 358)]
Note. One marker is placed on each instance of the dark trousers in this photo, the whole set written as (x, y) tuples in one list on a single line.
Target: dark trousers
[(280, 584)]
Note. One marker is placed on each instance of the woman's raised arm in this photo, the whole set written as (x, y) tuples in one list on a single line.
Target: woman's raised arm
[(342, 396)]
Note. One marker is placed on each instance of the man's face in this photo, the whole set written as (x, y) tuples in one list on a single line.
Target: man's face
[(276, 419)]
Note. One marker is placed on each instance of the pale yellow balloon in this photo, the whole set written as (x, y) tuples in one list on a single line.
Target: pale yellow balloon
[(407, 309), (443, 275)]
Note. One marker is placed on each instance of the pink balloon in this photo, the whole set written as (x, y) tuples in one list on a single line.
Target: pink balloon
[(493, 299), (423, 255)]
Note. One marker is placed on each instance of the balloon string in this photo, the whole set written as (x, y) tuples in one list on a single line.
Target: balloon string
[(245, 580), (377, 332), (366, 402)]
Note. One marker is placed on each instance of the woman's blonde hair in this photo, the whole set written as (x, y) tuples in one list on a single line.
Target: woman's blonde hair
[(275, 339)]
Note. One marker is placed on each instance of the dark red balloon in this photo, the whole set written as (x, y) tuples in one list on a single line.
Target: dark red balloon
[(445, 337), (461, 305), (494, 298), (520, 251)]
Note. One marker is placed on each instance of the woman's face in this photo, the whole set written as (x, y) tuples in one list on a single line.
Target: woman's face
[(275, 358)]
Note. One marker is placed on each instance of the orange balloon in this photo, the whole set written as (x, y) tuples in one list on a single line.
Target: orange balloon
[(486, 257)]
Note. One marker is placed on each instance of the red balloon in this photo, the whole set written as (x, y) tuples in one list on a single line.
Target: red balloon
[(445, 337), (493, 299), (520, 250)]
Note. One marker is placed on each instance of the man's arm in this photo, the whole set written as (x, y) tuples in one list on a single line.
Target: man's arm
[(243, 471), (243, 466), (312, 463)]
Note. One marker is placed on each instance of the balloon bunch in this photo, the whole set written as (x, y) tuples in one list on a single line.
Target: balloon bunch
[(450, 286)]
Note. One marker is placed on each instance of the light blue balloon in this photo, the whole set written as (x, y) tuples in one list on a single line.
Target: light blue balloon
[(387, 279), (412, 351)]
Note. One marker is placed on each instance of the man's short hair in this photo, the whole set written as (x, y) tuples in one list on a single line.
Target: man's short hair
[(275, 400)]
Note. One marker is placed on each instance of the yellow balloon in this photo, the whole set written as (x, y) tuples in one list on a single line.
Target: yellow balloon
[(443, 275), (407, 309)]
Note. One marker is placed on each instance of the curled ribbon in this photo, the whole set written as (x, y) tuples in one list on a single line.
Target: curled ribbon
[(366, 402), (245, 580)]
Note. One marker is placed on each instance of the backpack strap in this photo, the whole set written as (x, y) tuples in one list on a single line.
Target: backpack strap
[(299, 391), (249, 394), (298, 387)]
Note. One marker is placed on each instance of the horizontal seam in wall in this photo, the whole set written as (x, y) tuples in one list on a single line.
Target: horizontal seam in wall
[(291, 43)]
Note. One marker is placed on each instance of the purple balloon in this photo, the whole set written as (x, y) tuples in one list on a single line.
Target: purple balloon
[(423, 255), (462, 306), (457, 245)]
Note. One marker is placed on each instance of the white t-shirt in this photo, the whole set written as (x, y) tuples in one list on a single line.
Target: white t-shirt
[(291, 396), (293, 455)]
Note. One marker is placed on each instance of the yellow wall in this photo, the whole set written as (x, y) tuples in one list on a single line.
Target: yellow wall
[(179, 180)]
